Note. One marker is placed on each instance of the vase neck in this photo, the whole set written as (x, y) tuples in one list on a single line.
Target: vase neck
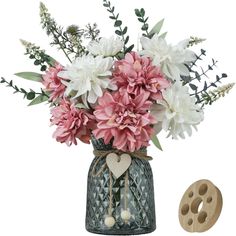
[(98, 144)]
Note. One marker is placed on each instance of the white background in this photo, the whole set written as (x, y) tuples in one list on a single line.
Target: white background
[(43, 183)]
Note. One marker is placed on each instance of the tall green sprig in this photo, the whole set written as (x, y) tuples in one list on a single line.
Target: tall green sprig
[(213, 95), (121, 31), (34, 97), (38, 55), (143, 19), (203, 92), (195, 41), (69, 41), (141, 14), (199, 80)]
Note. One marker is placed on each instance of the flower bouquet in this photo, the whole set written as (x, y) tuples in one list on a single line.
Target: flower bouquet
[(120, 99)]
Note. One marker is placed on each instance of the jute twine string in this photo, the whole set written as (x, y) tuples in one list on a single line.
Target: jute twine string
[(141, 154), (110, 190), (126, 189)]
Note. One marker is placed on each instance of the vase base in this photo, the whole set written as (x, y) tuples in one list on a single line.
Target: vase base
[(120, 232)]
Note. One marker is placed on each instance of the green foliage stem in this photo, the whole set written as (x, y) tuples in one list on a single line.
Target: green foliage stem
[(195, 40), (140, 13), (118, 24), (30, 95), (38, 55), (52, 29), (214, 95)]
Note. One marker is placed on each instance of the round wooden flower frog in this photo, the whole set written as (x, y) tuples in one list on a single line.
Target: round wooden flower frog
[(200, 206)]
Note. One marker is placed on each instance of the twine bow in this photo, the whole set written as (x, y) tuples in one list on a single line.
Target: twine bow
[(141, 154)]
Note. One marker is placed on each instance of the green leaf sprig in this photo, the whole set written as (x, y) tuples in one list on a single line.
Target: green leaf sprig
[(38, 55), (156, 142), (140, 13), (34, 97), (121, 31)]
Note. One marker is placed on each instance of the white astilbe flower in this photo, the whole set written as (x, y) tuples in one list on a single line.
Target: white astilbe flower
[(106, 47), (177, 113), (171, 59), (87, 76)]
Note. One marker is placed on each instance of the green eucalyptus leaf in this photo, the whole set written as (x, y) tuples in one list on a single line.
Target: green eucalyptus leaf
[(126, 39), (157, 28), (142, 12), (120, 55), (156, 142), (129, 49), (43, 68), (118, 32), (38, 100), (145, 27), (30, 76), (30, 95), (193, 86), (118, 23), (141, 20), (125, 30), (163, 35), (36, 62), (137, 12), (51, 61)]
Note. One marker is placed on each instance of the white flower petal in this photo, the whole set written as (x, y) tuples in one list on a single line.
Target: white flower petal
[(92, 97), (106, 47), (181, 114), (88, 74), (63, 74), (182, 44), (84, 99), (97, 89), (189, 56), (170, 58), (183, 70)]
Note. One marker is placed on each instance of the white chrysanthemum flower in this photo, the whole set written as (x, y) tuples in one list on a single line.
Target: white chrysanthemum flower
[(88, 76), (177, 113), (171, 59), (106, 47)]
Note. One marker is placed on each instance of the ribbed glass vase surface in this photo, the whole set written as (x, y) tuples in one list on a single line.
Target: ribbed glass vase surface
[(140, 198)]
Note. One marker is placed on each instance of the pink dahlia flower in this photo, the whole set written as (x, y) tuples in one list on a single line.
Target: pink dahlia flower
[(137, 75), (53, 83), (125, 119), (72, 123)]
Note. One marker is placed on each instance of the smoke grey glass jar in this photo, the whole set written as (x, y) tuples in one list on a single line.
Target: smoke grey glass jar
[(140, 198)]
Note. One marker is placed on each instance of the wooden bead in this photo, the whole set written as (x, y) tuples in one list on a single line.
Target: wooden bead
[(125, 215), (109, 221), (200, 206)]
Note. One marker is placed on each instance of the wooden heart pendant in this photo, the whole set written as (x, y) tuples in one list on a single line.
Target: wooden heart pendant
[(118, 164)]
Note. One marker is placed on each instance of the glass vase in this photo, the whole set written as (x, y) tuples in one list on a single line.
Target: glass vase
[(139, 196)]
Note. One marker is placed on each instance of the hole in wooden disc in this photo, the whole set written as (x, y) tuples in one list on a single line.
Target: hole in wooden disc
[(190, 221), (196, 205), (200, 207), (209, 199), (190, 194), (202, 217), (185, 209), (203, 189)]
